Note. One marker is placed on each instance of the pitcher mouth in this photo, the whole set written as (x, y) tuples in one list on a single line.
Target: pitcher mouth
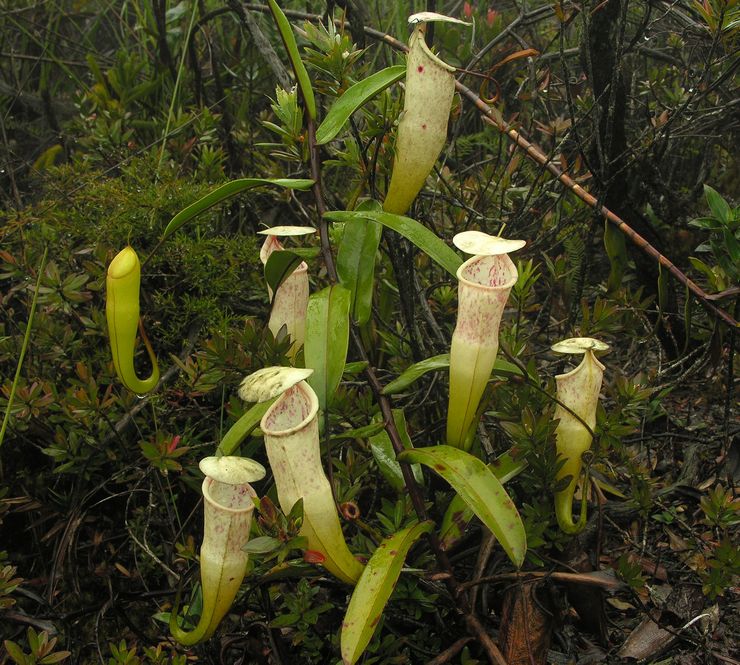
[(418, 33), (578, 368), (228, 498), (294, 410), (488, 272)]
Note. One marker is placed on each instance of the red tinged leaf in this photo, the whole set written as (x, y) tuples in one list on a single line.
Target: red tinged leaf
[(314, 557)]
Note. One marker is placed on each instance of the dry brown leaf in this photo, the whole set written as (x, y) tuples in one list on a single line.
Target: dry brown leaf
[(620, 604), (647, 640)]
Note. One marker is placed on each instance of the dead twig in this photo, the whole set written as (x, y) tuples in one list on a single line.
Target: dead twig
[(450, 652), (495, 119), (600, 579)]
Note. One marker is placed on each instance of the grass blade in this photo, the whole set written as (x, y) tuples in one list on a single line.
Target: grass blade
[(24, 347), (286, 32)]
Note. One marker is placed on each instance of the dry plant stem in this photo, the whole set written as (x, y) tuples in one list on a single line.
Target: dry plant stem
[(262, 43), (488, 543), (450, 652), (471, 621), (331, 270), (574, 578), (320, 205), (493, 118)]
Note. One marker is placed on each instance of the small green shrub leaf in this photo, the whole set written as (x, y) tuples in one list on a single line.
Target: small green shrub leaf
[(480, 490), (353, 98), (15, 652), (425, 239), (304, 82), (327, 340), (373, 590), (225, 192), (356, 261)]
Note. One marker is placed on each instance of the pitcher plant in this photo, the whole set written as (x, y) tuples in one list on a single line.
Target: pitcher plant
[(228, 504), (291, 300), (579, 391), (422, 130), (122, 313), (484, 283), (291, 431)]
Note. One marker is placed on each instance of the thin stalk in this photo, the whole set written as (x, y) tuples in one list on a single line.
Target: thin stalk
[(173, 100), (24, 347)]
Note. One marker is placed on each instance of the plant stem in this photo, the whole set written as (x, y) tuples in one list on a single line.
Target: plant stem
[(24, 347), (173, 100)]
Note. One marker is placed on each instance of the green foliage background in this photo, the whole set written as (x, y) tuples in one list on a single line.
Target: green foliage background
[(112, 120)]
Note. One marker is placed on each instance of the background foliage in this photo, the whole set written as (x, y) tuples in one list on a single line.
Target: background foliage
[(114, 116)]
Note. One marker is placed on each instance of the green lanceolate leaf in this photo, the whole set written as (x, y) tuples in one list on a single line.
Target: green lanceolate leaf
[(458, 515), (359, 433), (355, 367), (413, 373), (327, 340), (262, 545), (425, 239), (353, 98), (280, 265), (482, 492), (306, 252), (385, 456), (505, 369), (356, 261), (242, 428), (227, 191), (719, 207), (286, 32), (373, 590)]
